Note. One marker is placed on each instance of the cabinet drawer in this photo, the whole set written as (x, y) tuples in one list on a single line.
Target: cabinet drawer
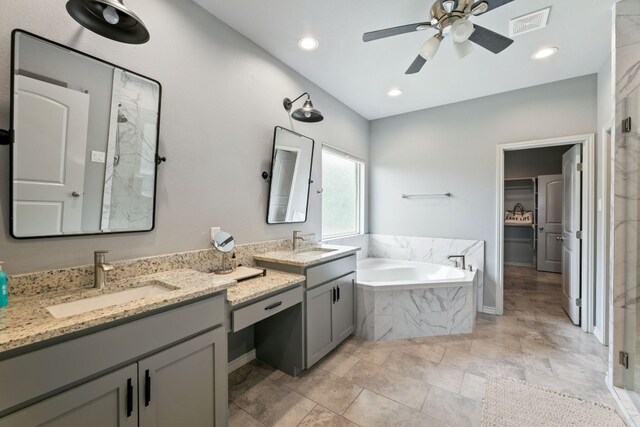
[(246, 316), (332, 270)]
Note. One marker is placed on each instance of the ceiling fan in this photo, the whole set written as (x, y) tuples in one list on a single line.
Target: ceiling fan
[(451, 17)]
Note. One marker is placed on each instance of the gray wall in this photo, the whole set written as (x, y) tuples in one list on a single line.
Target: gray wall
[(453, 149), (215, 144)]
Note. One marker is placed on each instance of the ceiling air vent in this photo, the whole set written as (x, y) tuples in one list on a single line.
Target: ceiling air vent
[(530, 22)]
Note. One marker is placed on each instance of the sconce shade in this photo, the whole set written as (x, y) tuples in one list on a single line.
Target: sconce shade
[(307, 113), (109, 18)]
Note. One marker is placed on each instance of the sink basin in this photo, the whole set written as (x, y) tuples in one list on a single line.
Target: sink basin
[(315, 251), (86, 305)]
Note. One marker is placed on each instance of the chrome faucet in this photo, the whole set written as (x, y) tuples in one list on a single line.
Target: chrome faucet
[(456, 258), (100, 268), (295, 238)]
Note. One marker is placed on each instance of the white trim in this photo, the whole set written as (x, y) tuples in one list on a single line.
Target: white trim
[(488, 310), (601, 326), (588, 212), (239, 362)]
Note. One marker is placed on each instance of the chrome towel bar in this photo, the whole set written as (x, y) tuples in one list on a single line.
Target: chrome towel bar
[(412, 196)]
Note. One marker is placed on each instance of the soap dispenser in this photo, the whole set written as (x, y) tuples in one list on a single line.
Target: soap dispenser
[(4, 287)]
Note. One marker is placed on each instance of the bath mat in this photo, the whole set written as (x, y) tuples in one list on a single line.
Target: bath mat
[(513, 403)]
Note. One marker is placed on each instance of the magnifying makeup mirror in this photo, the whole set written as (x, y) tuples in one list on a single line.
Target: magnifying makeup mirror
[(224, 243)]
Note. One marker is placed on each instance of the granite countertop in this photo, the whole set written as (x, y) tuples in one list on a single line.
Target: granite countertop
[(27, 321), (257, 287), (307, 256)]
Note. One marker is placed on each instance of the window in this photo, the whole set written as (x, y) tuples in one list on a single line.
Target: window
[(342, 195)]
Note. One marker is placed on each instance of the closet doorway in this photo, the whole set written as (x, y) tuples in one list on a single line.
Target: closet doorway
[(552, 241), (535, 183)]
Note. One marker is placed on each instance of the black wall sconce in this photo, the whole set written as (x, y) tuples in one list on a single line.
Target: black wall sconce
[(306, 113), (109, 18)]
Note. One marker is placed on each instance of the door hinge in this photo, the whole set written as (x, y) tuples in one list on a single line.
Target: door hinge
[(626, 125), (623, 359), (579, 302), (579, 167), (579, 234)]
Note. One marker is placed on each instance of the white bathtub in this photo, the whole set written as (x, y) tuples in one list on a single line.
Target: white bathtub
[(387, 274), (405, 299)]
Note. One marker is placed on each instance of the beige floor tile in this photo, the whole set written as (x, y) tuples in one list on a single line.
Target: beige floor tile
[(452, 409), (431, 352), (233, 408), (441, 375), (322, 417), (241, 419), (338, 363), (372, 410), (274, 404), (332, 392), (406, 390), (367, 353), (473, 387)]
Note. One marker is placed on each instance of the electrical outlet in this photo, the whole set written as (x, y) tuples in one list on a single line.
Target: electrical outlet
[(214, 230), (98, 156)]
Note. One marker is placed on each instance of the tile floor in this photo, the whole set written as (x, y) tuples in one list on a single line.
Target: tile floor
[(435, 381)]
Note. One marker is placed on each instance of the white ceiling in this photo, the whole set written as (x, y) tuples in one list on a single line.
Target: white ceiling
[(360, 74)]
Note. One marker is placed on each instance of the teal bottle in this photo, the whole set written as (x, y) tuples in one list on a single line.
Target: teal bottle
[(4, 288)]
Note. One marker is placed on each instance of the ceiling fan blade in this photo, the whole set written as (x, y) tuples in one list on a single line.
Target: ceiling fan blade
[(490, 40), (494, 4), (416, 65), (388, 32)]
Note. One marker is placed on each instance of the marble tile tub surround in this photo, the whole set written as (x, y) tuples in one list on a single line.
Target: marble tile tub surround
[(385, 315), (82, 277), (421, 249)]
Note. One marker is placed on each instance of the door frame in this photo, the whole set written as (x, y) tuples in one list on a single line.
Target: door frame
[(604, 233), (588, 220)]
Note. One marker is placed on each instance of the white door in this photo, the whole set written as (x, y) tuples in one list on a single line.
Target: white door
[(284, 173), (550, 189), (51, 125), (571, 225)]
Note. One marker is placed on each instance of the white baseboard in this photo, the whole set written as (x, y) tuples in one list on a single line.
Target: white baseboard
[(241, 361), (488, 310)]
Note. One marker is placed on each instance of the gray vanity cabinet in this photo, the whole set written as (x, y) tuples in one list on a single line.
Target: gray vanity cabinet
[(174, 374), (320, 322), (104, 402), (344, 323), (177, 385), (330, 316)]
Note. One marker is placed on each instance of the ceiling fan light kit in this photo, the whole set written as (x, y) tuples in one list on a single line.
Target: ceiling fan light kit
[(451, 16), (431, 46)]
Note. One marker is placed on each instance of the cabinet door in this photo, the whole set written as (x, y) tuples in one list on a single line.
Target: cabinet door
[(107, 401), (320, 340), (186, 385), (344, 322)]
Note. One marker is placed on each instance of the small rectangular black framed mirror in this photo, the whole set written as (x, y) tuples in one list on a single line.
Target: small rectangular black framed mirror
[(291, 163), (84, 143)]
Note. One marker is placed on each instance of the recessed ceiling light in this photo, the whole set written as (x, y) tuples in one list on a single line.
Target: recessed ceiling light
[(308, 43), (395, 93), (545, 53)]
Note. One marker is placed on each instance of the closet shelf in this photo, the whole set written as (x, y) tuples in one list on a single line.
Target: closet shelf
[(521, 225)]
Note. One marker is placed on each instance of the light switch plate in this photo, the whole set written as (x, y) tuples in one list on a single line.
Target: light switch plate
[(98, 156)]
